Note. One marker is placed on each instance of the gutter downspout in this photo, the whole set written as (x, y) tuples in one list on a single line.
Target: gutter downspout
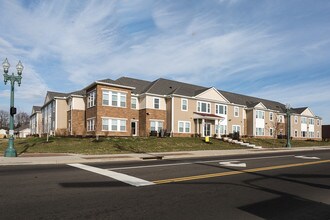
[(172, 116)]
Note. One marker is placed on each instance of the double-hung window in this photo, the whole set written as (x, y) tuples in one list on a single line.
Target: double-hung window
[(204, 107), (134, 102), (156, 125), (260, 131), (113, 124), (260, 114), (236, 111), (91, 99), (184, 104), (184, 127), (296, 119), (91, 124), (112, 98), (220, 109), (271, 116), (303, 120), (311, 121), (156, 103)]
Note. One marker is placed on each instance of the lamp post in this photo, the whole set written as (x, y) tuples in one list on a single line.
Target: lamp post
[(10, 151), (288, 130)]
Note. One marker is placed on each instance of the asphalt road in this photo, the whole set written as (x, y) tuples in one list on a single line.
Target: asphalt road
[(270, 186)]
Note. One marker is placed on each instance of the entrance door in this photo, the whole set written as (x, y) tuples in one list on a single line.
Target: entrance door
[(134, 128), (207, 129)]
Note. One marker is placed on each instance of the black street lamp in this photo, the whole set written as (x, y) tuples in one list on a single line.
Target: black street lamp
[(10, 151)]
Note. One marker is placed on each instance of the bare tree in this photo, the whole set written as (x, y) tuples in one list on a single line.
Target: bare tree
[(4, 119), (21, 118)]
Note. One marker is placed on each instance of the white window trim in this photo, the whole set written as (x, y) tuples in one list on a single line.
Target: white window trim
[(218, 106), (262, 114), (118, 124), (137, 102), (271, 129), (154, 103), (236, 109), (92, 103), (295, 119), (90, 119), (271, 114), (184, 127), (232, 128), (199, 103), (185, 110), (119, 94), (156, 124)]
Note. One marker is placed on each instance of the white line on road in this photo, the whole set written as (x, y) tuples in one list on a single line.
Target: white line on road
[(196, 162), (118, 176), (306, 157), (232, 164)]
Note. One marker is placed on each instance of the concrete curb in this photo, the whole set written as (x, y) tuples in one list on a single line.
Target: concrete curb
[(33, 159)]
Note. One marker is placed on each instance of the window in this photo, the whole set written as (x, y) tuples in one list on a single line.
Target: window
[(271, 132), (236, 128), (303, 134), (271, 116), (156, 103), (115, 99), (91, 124), (134, 103), (280, 119), (318, 122), (311, 121), (204, 107), (236, 111), (296, 119), (295, 133), (220, 109), (260, 114), (260, 131), (91, 100), (114, 125), (311, 134), (303, 120), (318, 134), (156, 125), (184, 127), (184, 105), (223, 129)]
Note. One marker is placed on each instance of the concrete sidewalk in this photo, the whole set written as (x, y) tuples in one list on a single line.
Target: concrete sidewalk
[(51, 158)]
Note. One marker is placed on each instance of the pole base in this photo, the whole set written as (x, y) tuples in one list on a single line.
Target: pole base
[(10, 152)]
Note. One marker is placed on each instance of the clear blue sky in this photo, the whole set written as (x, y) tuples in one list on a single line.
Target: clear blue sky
[(278, 50)]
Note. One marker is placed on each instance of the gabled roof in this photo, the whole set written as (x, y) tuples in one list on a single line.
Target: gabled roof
[(167, 87), (140, 85), (251, 102), (299, 110)]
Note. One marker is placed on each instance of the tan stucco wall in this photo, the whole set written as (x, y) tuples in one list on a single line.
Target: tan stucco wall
[(61, 115)]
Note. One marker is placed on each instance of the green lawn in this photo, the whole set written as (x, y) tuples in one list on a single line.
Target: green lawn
[(278, 143), (113, 145)]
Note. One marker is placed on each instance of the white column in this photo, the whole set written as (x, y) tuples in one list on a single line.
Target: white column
[(203, 127), (219, 135)]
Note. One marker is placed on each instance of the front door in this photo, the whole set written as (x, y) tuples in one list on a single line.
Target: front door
[(207, 129), (134, 128)]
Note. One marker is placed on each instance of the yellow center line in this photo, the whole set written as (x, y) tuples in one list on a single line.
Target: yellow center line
[(211, 175)]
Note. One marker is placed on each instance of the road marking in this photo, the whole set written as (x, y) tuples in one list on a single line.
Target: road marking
[(205, 176), (232, 164), (196, 162), (118, 176), (306, 157)]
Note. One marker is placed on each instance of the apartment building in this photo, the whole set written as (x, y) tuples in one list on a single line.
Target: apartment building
[(36, 121), (134, 107)]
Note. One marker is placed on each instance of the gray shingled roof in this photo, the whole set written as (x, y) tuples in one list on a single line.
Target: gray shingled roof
[(36, 108), (167, 87), (139, 85), (107, 81), (56, 94), (250, 101), (298, 110)]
